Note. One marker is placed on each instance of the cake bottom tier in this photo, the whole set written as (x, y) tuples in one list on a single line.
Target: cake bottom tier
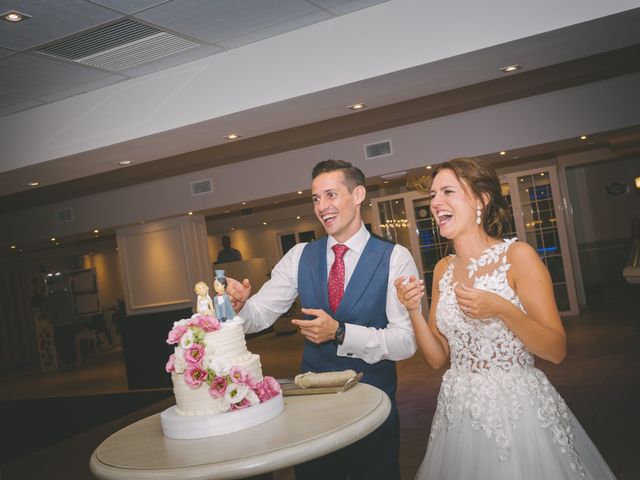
[(182, 427)]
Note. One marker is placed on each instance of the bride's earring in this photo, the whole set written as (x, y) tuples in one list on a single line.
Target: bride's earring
[(478, 215)]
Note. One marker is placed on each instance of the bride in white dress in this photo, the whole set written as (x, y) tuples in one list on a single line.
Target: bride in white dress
[(492, 310)]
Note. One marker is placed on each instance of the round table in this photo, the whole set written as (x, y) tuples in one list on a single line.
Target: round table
[(309, 427)]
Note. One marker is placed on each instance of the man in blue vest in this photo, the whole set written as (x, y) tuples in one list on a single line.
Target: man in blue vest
[(353, 317)]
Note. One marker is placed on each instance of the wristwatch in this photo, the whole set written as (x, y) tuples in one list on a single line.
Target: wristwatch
[(340, 334)]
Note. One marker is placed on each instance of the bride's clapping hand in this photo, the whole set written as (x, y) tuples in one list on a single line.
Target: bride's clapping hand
[(480, 304), (409, 292)]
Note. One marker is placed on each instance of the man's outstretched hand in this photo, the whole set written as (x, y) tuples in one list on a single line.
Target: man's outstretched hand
[(319, 330), (238, 292)]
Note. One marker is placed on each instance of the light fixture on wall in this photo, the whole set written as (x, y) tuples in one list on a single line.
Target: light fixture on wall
[(510, 68), (638, 183)]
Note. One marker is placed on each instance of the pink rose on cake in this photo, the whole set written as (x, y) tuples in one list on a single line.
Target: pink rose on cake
[(171, 364), (218, 387), (194, 354), (249, 400), (239, 376), (267, 389), (176, 333), (194, 376), (208, 323)]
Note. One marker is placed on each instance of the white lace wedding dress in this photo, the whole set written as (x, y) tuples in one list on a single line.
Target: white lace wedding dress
[(498, 417)]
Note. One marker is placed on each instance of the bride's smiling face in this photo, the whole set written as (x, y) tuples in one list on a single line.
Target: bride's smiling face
[(452, 205)]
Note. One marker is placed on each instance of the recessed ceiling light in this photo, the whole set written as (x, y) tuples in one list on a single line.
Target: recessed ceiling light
[(96, 231), (357, 106), (15, 17), (32, 184), (124, 163), (386, 181), (244, 203), (57, 244), (232, 136), (189, 213), (13, 247), (583, 137), (299, 192), (298, 217), (53, 239), (264, 223), (503, 153), (510, 68), (428, 167)]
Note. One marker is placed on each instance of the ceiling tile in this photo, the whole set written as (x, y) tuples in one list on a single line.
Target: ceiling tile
[(172, 60), (5, 53), (343, 8), (83, 88), (129, 6), (9, 105), (30, 76), (217, 21), (49, 21)]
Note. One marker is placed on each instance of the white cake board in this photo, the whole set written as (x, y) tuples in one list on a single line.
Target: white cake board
[(182, 427)]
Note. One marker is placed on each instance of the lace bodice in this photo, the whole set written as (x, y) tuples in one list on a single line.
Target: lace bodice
[(477, 345), (492, 375)]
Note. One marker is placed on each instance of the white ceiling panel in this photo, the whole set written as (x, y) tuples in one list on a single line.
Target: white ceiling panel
[(31, 77), (217, 21), (340, 7), (274, 30), (49, 21), (129, 6), (83, 88)]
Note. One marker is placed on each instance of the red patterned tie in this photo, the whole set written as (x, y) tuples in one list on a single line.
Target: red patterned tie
[(336, 276)]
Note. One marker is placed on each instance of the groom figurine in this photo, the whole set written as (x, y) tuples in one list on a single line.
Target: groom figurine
[(221, 303), (353, 319)]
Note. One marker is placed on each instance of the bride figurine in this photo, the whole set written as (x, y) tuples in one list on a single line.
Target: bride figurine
[(204, 305), (492, 310)]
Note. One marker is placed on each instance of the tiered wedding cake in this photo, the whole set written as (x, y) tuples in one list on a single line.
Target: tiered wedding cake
[(217, 382)]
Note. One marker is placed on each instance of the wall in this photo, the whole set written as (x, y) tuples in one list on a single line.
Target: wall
[(602, 224)]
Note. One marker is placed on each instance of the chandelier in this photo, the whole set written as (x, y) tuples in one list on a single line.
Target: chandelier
[(421, 183)]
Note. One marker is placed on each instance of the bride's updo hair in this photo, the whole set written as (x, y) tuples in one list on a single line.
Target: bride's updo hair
[(483, 181)]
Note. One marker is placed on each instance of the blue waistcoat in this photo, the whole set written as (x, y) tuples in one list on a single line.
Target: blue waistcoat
[(363, 303)]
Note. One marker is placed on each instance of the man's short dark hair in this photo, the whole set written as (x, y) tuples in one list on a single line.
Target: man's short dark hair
[(353, 176)]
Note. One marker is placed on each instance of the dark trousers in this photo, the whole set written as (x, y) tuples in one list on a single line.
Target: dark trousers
[(375, 457)]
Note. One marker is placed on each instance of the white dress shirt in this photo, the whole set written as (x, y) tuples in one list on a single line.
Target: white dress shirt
[(395, 342)]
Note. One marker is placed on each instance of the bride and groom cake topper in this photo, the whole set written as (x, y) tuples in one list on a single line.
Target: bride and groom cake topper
[(220, 305)]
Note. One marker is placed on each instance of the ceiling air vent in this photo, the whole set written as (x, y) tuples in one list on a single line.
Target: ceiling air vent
[(121, 45), (378, 149), (64, 215), (201, 187)]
